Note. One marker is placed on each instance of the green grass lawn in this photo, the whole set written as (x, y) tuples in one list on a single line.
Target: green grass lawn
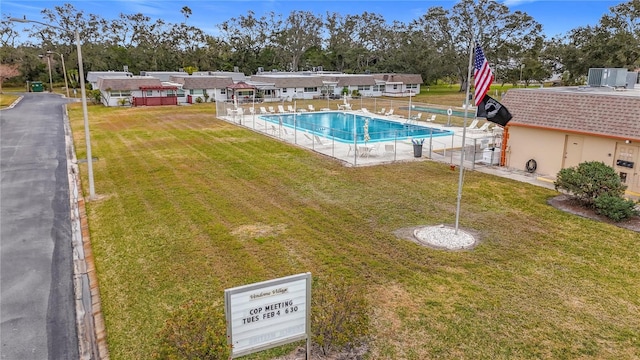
[(7, 99), (192, 205)]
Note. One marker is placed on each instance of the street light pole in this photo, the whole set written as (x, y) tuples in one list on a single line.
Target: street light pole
[(64, 70), (50, 80), (83, 91)]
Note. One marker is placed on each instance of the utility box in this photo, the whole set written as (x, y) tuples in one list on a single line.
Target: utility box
[(36, 86), (491, 156)]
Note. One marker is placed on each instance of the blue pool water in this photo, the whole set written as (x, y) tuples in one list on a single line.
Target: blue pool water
[(339, 126)]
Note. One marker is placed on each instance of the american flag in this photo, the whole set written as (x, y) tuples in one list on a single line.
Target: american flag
[(482, 75)]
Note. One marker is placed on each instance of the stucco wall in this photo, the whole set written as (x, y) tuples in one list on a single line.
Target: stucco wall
[(544, 146), (547, 148)]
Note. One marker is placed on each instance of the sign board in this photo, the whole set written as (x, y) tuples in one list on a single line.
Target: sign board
[(268, 314)]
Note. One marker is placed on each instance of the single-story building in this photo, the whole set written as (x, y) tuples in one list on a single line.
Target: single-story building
[(557, 128), (399, 85), (363, 84), (136, 91), (203, 87), (288, 85), (93, 76)]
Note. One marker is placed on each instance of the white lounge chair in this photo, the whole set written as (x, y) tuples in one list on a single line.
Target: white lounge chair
[(364, 110), (281, 109), (317, 139), (263, 110), (382, 111), (389, 113), (416, 117), (432, 118), (311, 108), (308, 137), (272, 110), (473, 124), (290, 108), (484, 127)]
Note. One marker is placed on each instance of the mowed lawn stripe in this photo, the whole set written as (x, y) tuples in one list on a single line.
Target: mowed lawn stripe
[(194, 205)]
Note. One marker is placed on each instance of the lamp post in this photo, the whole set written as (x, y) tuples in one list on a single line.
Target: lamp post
[(64, 70), (83, 92), (50, 79), (49, 66), (521, 67)]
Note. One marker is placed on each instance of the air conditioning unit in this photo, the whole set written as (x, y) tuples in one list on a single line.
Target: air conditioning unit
[(236, 69), (607, 77), (260, 70)]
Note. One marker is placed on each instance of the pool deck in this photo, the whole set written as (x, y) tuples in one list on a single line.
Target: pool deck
[(374, 153)]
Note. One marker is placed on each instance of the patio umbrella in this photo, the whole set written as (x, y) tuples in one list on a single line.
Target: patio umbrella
[(366, 131)]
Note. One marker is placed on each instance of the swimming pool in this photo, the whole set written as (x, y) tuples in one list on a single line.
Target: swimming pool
[(339, 126)]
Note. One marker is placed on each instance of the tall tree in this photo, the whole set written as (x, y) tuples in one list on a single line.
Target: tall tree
[(502, 34), (300, 32), (247, 37)]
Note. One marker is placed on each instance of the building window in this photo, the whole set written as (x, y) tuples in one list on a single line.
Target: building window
[(378, 87), (311, 89), (412, 86), (149, 92), (364, 87), (284, 90), (196, 92), (395, 86), (223, 91), (121, 93), (180, 93)]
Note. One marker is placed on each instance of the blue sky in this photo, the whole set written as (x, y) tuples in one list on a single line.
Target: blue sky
[(556, 17)]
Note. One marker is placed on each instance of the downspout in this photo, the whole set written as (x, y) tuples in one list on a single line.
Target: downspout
[(503, 150)]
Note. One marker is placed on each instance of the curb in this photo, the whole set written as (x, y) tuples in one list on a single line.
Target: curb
[(92, 339), (13, 104)]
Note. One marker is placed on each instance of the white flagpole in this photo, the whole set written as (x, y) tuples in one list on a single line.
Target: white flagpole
[(464, 135)]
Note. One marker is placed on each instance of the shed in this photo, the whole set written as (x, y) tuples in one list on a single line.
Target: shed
[(563, 127)]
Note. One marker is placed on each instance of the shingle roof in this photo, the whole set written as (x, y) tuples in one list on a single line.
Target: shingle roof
[(351, 80), (400, 78), (289, 81), (202, 82), (615, 115), (127, 83)]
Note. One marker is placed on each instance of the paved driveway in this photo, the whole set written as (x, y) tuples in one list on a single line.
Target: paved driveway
[(37, 311)]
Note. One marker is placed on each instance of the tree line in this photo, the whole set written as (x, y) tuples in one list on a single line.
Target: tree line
[(435, 45)]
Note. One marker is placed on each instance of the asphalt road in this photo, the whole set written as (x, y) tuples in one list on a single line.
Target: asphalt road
[(37, 311)]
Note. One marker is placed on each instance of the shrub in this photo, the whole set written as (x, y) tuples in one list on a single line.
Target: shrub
[(199, 100), (339, 315), (94, 95), (589, 180), (615, 207), (197, 330)]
